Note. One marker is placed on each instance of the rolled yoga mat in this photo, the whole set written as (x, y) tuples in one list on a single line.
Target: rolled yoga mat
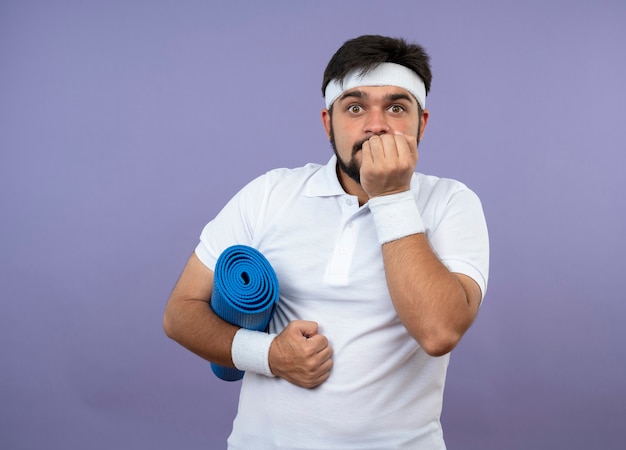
[(245, 293)]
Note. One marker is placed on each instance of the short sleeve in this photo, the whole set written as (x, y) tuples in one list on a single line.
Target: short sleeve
[(234, 224), (460, 238)]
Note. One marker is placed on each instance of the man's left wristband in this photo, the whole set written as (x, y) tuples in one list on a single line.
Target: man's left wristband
[(250, 351)]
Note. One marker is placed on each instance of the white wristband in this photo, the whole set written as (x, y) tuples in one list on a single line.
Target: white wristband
[(251, 351), (395, 216)]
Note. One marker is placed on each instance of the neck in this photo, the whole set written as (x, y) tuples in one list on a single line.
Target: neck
[(351, 186)]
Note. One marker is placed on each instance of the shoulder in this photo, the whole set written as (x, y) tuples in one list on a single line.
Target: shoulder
[(282, 182), (433, 187), (291, 175), (444, 196)]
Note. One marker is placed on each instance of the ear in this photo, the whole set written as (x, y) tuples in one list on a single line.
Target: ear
[(326, 122), (424, 120)]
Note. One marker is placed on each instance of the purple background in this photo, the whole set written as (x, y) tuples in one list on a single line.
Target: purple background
[(126, 125)]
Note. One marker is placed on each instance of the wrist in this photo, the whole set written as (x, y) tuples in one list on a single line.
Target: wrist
[(250, 351), (395, 216)]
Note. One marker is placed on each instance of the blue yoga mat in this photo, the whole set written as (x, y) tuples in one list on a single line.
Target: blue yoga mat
[(245, 293)]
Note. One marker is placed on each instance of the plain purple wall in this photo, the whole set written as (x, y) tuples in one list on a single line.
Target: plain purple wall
[(126, 125)]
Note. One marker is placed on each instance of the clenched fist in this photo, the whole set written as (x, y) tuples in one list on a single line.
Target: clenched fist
[(388, 162), (300, 355)]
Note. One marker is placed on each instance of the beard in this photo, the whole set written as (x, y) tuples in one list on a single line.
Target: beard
[(352, 168)]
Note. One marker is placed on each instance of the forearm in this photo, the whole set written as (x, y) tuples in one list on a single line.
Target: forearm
[(196, 327), (190, 321), (433, 304)]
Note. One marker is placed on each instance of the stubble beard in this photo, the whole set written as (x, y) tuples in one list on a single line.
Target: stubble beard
[(352, 168)]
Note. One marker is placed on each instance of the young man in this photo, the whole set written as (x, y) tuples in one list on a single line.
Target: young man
[(381, 272)]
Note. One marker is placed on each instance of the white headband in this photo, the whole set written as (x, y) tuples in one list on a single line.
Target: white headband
[(385, 74)]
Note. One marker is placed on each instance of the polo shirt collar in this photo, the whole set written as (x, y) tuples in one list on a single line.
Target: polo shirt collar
[(324, 182)]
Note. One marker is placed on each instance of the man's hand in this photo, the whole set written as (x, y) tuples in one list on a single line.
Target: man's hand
[(387, 165), (300, 355)]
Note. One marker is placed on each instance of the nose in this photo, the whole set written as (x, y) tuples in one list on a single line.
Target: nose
[(376, 122)]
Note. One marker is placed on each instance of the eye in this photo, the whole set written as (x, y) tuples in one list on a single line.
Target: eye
[(355, 109), (396, 109)]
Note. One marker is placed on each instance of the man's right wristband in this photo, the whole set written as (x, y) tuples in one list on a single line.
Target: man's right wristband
[(250, 351), (395, 216)]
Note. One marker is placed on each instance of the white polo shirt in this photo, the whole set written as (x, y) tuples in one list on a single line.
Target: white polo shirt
[(384, 391)]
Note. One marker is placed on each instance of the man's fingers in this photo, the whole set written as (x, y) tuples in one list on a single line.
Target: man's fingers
[(389, 150), (407, 146), (388, 147), (318, 341), (304, 327), (366, 154), (319, 344), (382, 148), (377, 146), (300, 355)]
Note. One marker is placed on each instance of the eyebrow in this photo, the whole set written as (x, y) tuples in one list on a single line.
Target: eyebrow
[(389, 97)]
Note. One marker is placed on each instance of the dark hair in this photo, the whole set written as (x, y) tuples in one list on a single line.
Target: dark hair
[(366, 52)]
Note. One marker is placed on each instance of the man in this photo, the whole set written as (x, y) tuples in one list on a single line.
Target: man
[(381, 272)]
